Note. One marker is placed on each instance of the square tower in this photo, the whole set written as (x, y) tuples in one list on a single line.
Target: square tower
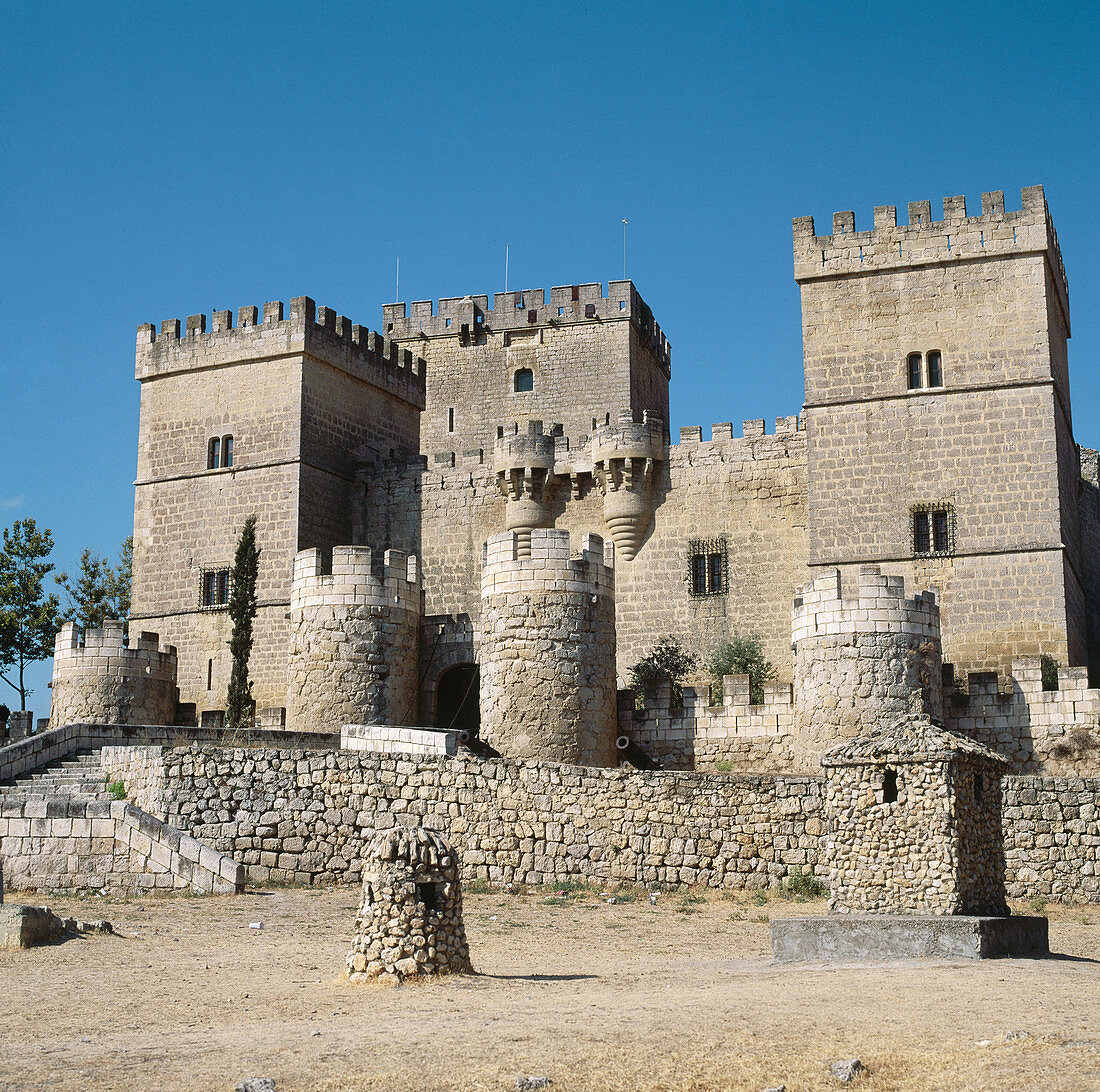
[(269, 417), (579, 359), (939, 437)]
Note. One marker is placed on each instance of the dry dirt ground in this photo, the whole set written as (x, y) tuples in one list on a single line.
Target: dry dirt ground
[(678, 995)]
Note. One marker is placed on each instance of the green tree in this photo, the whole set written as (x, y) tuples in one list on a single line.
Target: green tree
[(744, 656), (242, 610), (28, 617), (667, 660), (99, 590)]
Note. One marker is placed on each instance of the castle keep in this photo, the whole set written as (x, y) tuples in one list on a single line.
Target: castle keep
[(419, 493)]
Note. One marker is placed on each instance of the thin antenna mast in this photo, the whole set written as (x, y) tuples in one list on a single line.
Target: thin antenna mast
[(624, 250), (505, 267), (397, 286)]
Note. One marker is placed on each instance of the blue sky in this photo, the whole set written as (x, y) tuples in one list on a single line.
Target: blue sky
[(161, 160)]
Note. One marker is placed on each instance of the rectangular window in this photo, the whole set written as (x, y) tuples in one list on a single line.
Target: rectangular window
[(935, 370), (227, 451), (450, 420), (214, 454), (933, 530), (214, 588), (707, 574), (914, 371)]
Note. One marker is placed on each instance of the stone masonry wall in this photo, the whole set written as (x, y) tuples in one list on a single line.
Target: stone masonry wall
[(548, 649), (60, 844), (99, 679), (355, 638), (305, 816)]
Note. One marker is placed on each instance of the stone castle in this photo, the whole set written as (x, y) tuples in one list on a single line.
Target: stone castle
[(476, 520)]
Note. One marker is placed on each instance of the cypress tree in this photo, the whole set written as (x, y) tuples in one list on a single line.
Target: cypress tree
[(242, 610)]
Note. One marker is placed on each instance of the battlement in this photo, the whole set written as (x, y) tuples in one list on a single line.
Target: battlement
[(532, 448), (466, 316), (626, 438), (509, 565), (72, 642), (692, 435), (880, 606), (355, 578), (304, 328), (923, 241)]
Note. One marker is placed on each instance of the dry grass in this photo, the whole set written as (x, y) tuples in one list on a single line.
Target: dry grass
[(675, 996)]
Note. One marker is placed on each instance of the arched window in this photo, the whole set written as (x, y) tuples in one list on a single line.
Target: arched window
[(915, 372), (935, 369), (227, 451), (524, 380), (214, 453), (924, 370)]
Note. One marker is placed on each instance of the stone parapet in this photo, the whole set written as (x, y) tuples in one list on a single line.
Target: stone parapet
[(955, 238), (99, 679), (526, 309), (59, 844), (305, 329)]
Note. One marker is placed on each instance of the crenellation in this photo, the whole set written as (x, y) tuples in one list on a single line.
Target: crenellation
[(307, 329), (954, 238)]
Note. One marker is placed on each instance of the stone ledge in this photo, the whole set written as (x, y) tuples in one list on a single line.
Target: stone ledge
[(874, 937)]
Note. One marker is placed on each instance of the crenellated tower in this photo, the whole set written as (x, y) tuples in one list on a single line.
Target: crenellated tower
[(267, 416), (939, 437), (354, 640), (548, 648), (626, 460)]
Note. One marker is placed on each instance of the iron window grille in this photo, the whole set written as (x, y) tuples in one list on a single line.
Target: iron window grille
[(933, 530), (214, 589), (708, 568)]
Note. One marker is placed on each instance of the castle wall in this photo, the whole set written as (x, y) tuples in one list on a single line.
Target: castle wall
[(307, 816), (548, 649), (583, 365), (994, 443)]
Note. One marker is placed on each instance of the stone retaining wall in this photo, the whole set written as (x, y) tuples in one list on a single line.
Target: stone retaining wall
[(305, 816), (60, 844)]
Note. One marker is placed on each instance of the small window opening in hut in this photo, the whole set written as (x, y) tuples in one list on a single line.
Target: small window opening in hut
[(979, 788), (889, 786), (428, 894)]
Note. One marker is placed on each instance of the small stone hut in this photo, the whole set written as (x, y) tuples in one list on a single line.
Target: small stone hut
[(410, 919), (913, 816)]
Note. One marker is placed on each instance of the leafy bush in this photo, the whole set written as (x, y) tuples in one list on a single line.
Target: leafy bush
[(666, 661), (801, 885), (117, 790), (1049, 667), (744, 656)]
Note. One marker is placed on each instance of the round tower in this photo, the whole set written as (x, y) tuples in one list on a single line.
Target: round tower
[(354, 640), (858, 661), (524, 464), (98, 679), (548, 648), (625, 459)]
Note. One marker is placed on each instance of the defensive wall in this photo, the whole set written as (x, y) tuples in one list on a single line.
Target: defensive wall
[(307, 816)]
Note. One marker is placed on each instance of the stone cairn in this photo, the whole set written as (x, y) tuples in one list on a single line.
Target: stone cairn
[(410, 919)]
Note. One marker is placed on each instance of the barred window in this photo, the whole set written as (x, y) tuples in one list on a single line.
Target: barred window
[(933, 530), (707, 567), (214, 588)]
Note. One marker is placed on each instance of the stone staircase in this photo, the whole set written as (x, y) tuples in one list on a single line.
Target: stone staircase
[(77, 776)]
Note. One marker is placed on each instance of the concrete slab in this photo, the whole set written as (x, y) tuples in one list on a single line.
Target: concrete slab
[(847, 938)]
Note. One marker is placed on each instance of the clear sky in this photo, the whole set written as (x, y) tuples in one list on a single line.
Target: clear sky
[(159, 160)]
